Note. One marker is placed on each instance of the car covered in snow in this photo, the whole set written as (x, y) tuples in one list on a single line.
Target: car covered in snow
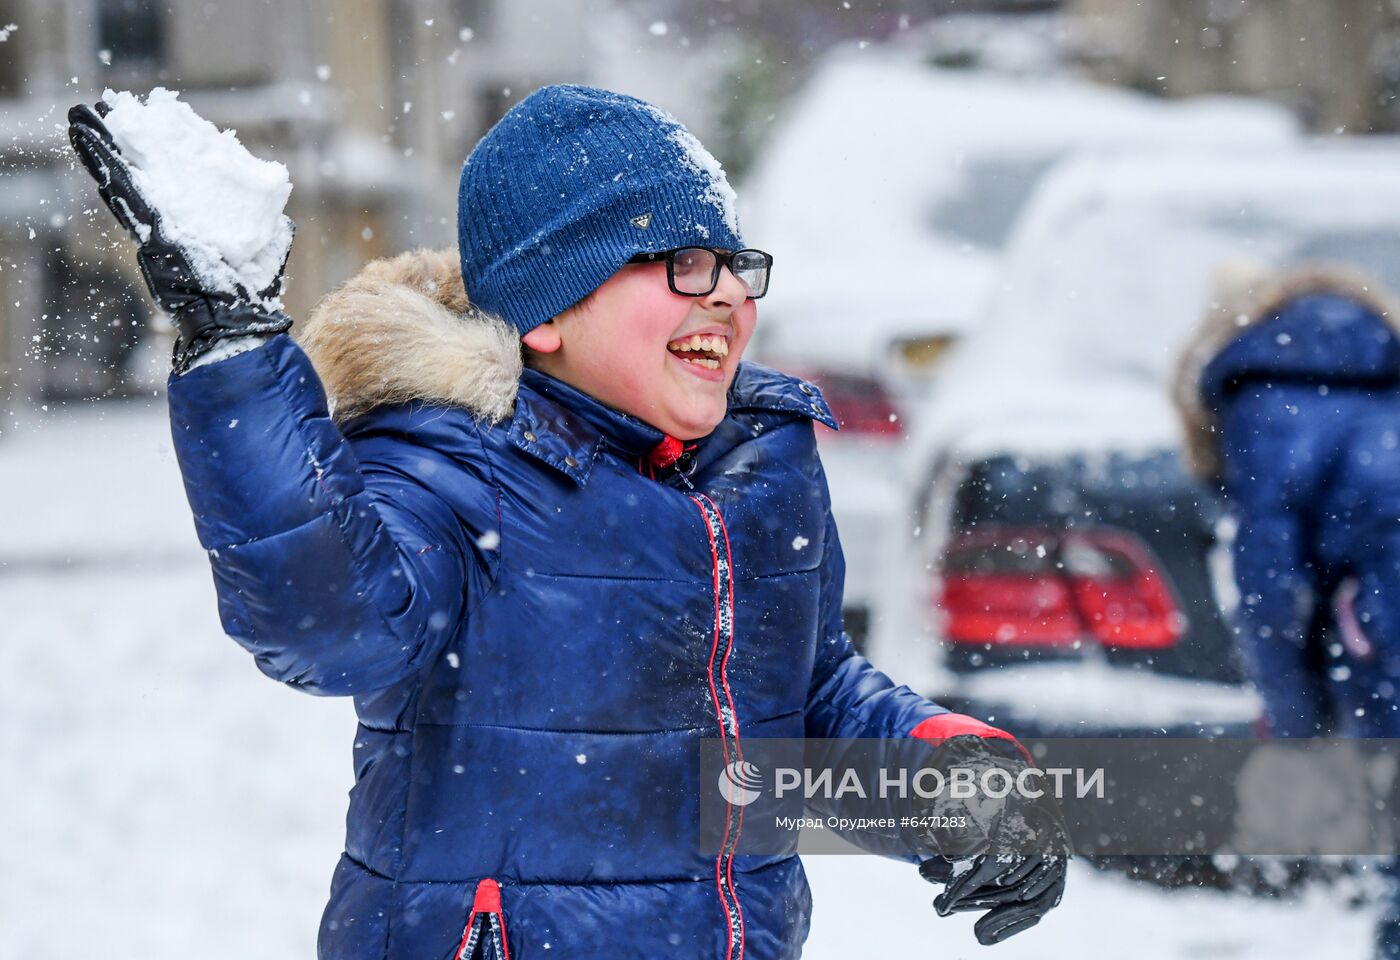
[(1060, 570), (885, 193)]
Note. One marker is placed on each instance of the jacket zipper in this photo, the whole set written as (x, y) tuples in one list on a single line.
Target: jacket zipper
[(723, 700), (485, 925)]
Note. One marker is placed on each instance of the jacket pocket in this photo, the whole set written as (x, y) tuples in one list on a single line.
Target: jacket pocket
[(485, 935)]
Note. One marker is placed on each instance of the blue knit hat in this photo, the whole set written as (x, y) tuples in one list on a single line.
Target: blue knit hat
[(569, 186)]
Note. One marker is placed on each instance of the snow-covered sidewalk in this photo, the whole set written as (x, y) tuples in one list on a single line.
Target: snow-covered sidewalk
[(164, 800)]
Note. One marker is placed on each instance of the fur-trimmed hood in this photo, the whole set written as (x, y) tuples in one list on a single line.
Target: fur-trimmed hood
[(403, 329), (1245, 295)]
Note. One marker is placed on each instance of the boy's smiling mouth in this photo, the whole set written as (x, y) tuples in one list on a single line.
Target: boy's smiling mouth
[(706, 351)]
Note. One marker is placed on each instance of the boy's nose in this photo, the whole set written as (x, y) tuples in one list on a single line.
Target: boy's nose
[(730, 291)]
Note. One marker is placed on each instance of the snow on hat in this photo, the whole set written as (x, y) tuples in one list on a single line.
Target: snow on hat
[(570, 185)]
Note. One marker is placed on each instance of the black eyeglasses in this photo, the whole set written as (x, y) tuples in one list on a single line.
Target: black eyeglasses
[(694, 271)]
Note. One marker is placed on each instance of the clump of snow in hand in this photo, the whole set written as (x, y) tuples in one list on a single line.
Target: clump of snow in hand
[(718, 193), (6, 30), (215, 199)]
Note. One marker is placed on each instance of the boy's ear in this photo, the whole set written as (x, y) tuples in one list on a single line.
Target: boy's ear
[(544, 338)]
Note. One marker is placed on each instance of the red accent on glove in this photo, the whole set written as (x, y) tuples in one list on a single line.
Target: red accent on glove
[(946, 726)]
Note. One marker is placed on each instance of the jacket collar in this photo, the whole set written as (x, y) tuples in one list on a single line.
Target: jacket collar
[(566, 428), (757, 387)]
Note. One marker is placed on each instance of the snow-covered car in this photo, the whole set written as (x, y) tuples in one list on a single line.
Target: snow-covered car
[(1059, 564), (886, 193)]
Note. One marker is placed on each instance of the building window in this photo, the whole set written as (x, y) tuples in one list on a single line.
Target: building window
[(132, 32)]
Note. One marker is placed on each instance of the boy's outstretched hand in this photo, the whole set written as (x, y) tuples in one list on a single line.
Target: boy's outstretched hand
[(1011, 857), (203, 316)]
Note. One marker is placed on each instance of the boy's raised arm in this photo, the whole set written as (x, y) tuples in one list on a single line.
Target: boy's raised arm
[(340, 577)]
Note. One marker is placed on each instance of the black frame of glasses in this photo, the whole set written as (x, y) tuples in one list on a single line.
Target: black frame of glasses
[(722, 259)]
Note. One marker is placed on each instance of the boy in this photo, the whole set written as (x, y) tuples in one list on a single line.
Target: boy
[(543, 583)]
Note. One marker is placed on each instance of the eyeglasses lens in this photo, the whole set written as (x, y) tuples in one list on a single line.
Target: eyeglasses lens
[(751, 267), (694, 270)]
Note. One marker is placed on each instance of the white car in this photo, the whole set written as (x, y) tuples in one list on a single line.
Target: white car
[(885, 194), (1052, 425)]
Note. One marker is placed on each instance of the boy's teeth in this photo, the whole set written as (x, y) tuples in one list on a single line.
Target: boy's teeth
[(716, 345)]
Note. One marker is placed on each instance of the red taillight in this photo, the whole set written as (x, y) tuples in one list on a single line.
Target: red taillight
[(861, 404), (1009, 609), (1046, 588)]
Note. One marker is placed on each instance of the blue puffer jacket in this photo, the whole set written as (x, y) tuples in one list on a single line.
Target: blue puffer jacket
[(536, 632), (1306, 402)]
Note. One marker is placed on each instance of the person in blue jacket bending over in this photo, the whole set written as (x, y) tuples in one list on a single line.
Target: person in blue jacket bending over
[(1290, 394), (548, 538)]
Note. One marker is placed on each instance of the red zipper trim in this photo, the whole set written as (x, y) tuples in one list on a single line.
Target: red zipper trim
[(486, 905), (728, 721)]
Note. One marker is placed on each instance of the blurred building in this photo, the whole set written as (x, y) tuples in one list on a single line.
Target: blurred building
[(1335, 61), (371, 104)]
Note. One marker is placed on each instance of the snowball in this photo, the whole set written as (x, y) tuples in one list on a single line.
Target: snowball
[(215, 199), (6, 30)]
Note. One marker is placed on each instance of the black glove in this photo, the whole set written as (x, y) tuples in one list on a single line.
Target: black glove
[(203, 317), (1008, 856)]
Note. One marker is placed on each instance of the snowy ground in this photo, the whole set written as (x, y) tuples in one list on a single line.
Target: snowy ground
[(164, 800)]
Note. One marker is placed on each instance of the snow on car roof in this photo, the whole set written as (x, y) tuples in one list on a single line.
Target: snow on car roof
[(1109, 273), (886, 183), (876, 126)]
